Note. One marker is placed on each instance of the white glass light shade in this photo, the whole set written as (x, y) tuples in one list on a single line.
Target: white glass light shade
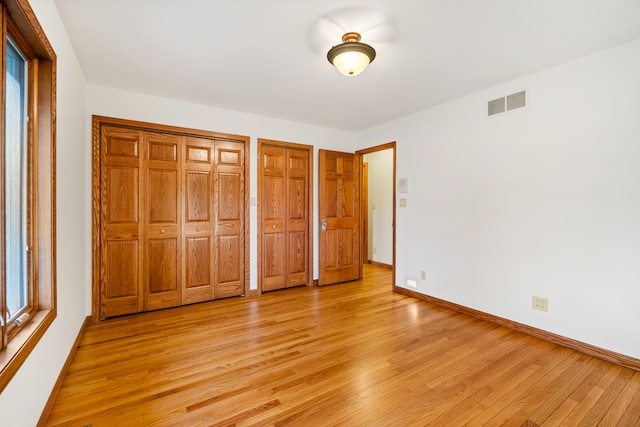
[(351, 57), (351, 63)]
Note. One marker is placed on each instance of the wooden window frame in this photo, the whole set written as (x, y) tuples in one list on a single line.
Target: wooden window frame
[(19, 21)]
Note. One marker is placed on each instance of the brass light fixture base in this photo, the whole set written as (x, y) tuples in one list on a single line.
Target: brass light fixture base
[(351, 38)]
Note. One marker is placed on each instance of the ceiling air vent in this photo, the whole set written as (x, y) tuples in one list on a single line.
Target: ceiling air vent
[(507, 103)]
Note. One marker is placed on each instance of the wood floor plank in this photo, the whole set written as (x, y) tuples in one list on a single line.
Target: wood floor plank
[(622, 402), (560, 413), (560, 391), (610, 394), (352, 354), (512, 400), (631, 415), (512, 367)]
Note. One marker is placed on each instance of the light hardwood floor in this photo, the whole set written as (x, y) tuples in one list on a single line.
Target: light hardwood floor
[(352, 354)]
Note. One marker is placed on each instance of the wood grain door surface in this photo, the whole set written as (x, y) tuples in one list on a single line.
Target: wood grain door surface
[(121, 236), (171, 220), (298, 217), (199, 224), (229, 196), (161, 220), (285, 216), (339, 213)]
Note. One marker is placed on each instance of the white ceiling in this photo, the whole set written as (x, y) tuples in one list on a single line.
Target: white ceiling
[(268, 57)]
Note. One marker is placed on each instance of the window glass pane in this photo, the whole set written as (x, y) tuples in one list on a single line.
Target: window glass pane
[(17, 294)]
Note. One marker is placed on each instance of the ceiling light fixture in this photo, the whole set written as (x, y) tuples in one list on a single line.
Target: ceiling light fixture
[(351, 57)]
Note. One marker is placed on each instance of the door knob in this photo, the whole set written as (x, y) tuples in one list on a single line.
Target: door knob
[(324, 225)]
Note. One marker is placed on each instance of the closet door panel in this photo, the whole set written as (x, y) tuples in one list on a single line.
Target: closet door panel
[(163, 274), (163, 195), (273, 218), (229, 267), (198, 196), (273, 261), (297, 258), (199, 266), (229, 197), (297, 217), (229, 219), (120, 229), (198, 228), (121, 195), (121, 268), (162, 219)]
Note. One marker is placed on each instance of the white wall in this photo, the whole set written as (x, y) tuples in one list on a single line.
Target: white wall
[(22, 401), (133, 106), (541, 201), (380, 205)]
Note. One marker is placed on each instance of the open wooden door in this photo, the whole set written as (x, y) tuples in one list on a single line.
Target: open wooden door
[(339, 213)]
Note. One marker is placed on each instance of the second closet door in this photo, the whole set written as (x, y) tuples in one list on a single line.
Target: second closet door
[(285, 217)]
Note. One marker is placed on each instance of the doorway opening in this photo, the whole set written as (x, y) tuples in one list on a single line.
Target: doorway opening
[(378, 205)]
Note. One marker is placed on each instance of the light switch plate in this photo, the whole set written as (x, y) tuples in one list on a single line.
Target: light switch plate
[(403, 185)]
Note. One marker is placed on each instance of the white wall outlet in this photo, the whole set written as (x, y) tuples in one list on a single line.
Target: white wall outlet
[(539, 303), (423, 275), (412, 283)]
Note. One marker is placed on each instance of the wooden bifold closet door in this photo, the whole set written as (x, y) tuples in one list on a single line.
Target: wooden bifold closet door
[(285, 226), (171, 219)]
